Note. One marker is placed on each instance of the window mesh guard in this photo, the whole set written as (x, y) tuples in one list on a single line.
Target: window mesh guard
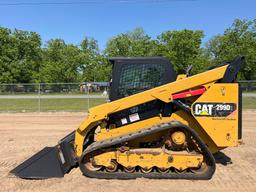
[(136, 78)]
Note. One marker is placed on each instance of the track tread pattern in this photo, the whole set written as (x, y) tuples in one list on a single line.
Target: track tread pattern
[(141, 133)]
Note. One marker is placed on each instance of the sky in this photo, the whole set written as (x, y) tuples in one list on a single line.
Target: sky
[(104, 19)]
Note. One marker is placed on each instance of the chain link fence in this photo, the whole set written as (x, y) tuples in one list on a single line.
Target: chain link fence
[(52, 97), (248, 86), (47, 97)]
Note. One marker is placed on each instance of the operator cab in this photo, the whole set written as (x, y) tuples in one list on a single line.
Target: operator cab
[(136, 74)]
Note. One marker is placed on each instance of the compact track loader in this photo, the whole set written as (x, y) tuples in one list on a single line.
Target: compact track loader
[(156, 125)]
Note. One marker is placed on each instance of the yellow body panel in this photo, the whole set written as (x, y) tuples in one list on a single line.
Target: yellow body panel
[(99, 114), (223, 130), (149, 158), (178, 116)]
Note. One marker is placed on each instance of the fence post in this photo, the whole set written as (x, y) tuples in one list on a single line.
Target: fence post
[(88, 100), (39, 97)]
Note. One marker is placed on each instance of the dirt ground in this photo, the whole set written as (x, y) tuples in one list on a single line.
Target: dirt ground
[(24, 134)]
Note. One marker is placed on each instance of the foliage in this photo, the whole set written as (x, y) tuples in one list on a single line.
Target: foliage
[(69, 63), (24, 60), (134, 43), (182, 48), (20, 56), (239, 39)]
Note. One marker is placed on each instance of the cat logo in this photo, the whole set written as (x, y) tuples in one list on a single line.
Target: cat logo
[(214, 109), (203, 109)]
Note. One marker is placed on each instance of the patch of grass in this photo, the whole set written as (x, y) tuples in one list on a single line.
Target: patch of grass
[(32, 105), (69, 104), (43, 93), (18, 105), (249, 102)]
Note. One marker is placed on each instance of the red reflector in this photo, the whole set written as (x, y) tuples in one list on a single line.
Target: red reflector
[(189, 93)]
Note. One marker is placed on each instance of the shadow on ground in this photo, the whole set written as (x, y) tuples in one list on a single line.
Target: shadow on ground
[(222, 158)]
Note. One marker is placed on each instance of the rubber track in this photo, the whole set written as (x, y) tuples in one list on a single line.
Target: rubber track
[(142, 133)]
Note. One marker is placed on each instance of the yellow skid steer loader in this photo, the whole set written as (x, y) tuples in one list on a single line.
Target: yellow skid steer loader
[(156, 125)]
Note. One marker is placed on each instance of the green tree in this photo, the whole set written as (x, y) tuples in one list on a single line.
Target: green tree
[(239, 39), (69, 63), (20, 56), (134, 43), (60, 62), (23, 60), (95, 66), (182, 48)]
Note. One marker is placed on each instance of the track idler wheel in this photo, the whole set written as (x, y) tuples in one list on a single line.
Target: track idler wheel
[(179, 171), (89, 165), (129, 169), (162, 170), (113, 167), (146, 169), (202, 169)]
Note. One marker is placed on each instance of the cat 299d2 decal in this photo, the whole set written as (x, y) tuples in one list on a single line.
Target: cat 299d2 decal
[(213, 109)]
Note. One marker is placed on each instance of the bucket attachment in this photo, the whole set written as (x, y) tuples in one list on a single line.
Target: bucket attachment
[(50, 162)]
